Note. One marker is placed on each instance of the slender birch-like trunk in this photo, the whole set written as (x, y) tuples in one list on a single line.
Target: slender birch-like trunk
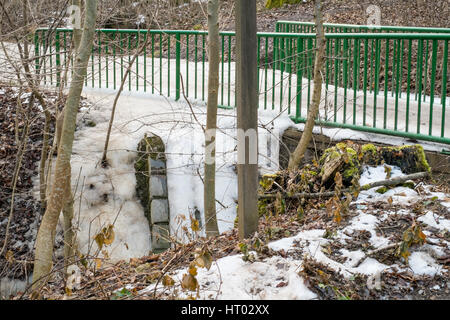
[(298, 154), (46, 234), (211, 120)]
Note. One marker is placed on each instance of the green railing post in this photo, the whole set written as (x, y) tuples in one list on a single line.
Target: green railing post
[(36, 51), (444, 86), (58, 59), (177, 66)]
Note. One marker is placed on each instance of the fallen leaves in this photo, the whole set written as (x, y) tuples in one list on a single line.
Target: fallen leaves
[(413, 235), (105, 237)]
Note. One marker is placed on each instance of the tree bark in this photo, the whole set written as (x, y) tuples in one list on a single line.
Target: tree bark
[(298, 154), (212, 228), (46, 234)]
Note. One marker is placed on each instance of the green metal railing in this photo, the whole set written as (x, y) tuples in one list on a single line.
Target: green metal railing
[(309, 27), (391, 83)]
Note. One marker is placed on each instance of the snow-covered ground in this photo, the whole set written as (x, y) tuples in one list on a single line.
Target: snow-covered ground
[(104, 196), (278, 277)]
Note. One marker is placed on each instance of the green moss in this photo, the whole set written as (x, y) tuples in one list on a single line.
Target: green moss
[(350, 172), (267, 181), (382, 190), (351, 167), (409, 184), (262, 207), (369, 148), (422, 161), (90, 123)]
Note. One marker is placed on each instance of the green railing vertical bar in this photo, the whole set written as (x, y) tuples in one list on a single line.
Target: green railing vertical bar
[(355, 75), (289, 70), (366, 52), (377, 67), (168, 67), (336, 77), (195, 64), (114, 57), (137, 59), (444, 86), (425, 82), (66, 57), (394, 60), (258, 62), (345, 77), (145, 61), (187, 65), (402, 52), (100, 59), (160, 64), (327, 74), (93, 67), (58, 58), (310, 55), (432, 83), (386, 85), (419, 86), (121, 58), (203, 67), (129, 61), (274, 67), (397, 85), (107, 60), (222, 62), (36, 52), (44, 58), (372, 64), (300, 50), (282, 65), (177, 65), (377, 79), (266, 59), (50, 46), (153, 63), (229, 71), (408, 85)]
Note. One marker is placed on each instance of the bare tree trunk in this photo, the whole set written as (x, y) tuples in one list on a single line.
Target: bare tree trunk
[(46, 235), (69, 234), (298, 154), (212, 228)]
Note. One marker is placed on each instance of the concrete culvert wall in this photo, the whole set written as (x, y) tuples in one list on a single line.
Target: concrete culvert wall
[(151, 189)]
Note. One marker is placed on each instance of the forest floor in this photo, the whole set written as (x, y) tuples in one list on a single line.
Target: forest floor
[(193, 16), (293, 256)]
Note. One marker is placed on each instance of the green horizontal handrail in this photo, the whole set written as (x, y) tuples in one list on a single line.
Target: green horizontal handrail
[(391, 83), (282, 25)]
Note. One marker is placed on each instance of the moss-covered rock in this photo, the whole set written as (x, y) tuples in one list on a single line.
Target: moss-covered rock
[(340, 158), (345, 158), (409, 158)]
